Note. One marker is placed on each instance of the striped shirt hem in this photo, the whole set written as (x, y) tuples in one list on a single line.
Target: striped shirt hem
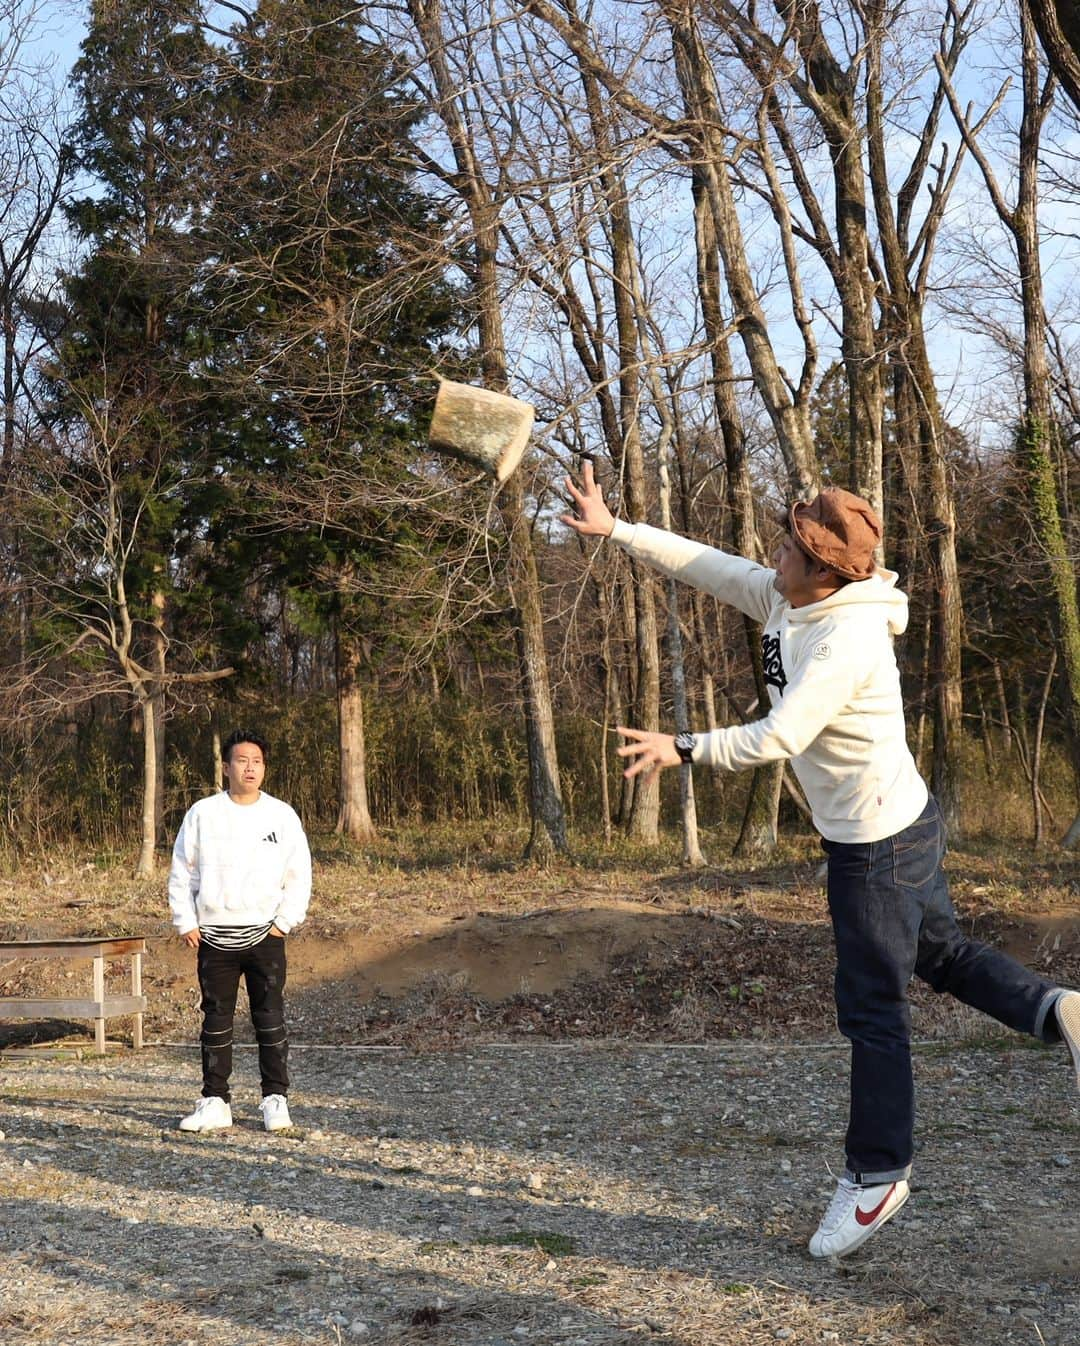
[(234, 936)]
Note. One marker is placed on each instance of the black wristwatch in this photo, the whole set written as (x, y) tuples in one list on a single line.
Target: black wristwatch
[(685, 743)]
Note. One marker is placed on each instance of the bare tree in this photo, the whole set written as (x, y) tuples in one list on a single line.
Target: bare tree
[(701, 139), (717, 235), (1039, 439), (907, 242), (665, 407), (84, 524), (34, 165), (482, 202), (34, 168)]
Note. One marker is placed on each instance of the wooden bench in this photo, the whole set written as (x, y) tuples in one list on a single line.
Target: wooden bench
[(100, 1006)]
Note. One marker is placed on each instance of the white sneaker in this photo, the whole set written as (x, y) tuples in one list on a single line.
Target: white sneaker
[(854, 1214), (1067, 1010), (275, 1112), (211, 1114)]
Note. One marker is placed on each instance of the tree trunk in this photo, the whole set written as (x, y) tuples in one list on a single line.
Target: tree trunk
[(836, 107), (947, 641), (626, 450), (790, 419), (1040, 431), (354, 818), (545, 793), (903, 474), (144, 868), (862, 360), (984, 732), (644, 823), (1003, 708), (924, 691), (688, 810), (7, 323), (1036, 756), (760, 832), (1020, 727), (217, 763), (1058, 23), (665, 450), (605, 730), (608, 677), (628, 675), (760, 826), (548, 830), (920, 430), (158, 662), (707, 677)]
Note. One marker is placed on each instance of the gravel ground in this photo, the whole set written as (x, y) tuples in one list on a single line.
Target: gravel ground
[(569, 1195)]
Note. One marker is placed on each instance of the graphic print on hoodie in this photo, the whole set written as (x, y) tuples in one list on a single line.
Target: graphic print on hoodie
[(771, 665), (836, 706)]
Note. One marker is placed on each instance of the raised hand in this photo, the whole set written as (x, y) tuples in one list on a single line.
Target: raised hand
[(593, 518)]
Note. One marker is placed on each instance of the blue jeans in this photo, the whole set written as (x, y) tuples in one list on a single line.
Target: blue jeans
[(892, 918)]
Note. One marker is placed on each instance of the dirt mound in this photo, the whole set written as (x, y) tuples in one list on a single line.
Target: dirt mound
[(606, 969)]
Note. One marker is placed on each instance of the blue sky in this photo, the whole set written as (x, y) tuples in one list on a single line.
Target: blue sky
[(62, 24)]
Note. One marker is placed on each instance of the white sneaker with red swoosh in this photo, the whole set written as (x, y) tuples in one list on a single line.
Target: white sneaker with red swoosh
[(854, 1214)]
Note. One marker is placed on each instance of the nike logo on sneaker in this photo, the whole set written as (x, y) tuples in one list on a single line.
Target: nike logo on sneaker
[(867, 1217)]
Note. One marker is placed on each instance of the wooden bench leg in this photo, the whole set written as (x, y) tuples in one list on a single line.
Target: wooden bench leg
[(136, 989), (99, 997)]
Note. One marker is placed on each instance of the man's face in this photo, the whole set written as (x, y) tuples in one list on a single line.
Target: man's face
[(244, 771), (796, 574)]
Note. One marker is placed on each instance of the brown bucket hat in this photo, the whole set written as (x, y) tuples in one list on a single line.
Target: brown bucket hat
[(838, 529)]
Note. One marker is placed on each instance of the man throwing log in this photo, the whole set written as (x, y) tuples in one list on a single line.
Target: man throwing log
[(829, 615)]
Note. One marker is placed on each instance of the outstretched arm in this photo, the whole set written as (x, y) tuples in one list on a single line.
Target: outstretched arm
[(732, 579)]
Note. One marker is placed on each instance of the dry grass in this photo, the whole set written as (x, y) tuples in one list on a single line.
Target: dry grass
[(412, 874)]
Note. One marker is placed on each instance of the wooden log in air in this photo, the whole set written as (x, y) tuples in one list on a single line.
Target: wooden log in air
[(488, 429)]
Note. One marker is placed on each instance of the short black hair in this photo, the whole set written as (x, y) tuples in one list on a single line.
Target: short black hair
[(245, 736)]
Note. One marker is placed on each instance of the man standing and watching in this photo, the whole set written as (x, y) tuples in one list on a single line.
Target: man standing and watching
[(240, 882), (829, 616)]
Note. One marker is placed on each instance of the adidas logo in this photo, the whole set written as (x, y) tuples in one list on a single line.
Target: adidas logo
[(270, 836)]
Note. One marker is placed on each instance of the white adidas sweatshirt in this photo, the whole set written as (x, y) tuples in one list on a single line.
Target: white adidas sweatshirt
[(239, 864), (833, 683)]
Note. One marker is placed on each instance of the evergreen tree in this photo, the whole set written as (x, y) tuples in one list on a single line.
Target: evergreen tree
[(327, 295), (122, 396)]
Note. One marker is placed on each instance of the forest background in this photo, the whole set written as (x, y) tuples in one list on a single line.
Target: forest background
[(731, 251)]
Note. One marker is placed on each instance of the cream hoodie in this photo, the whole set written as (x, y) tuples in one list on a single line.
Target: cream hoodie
[(239, 864), (833, 683)]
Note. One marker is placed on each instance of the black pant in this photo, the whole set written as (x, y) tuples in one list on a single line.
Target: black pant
[(263, 967), (892, 917)]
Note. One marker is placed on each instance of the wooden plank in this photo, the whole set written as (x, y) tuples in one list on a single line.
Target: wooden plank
[(71, 948), (136, 991), (99, 1004), (41, 1008)]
